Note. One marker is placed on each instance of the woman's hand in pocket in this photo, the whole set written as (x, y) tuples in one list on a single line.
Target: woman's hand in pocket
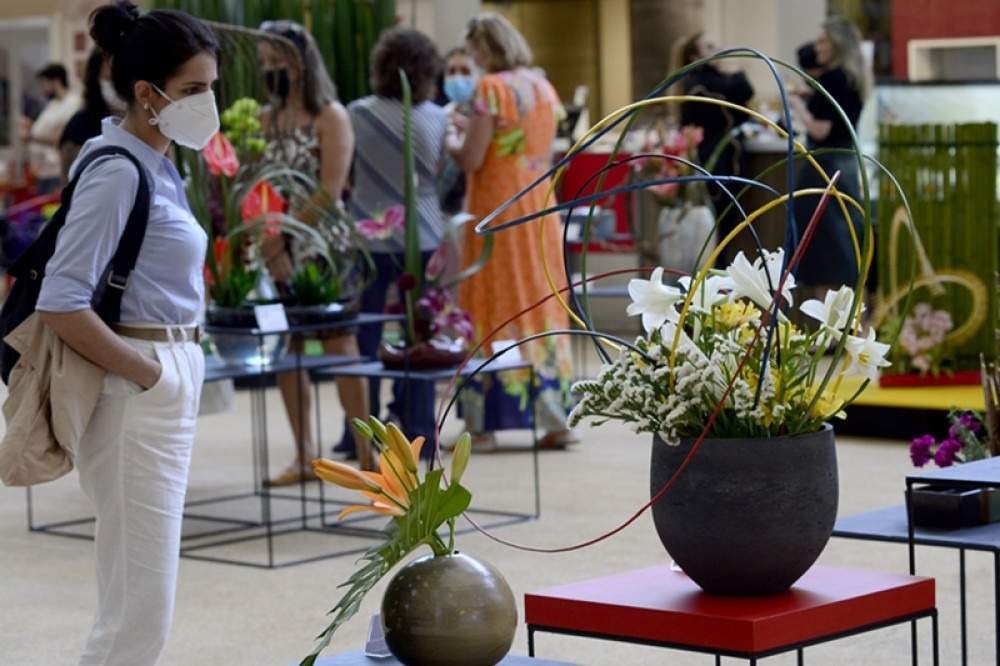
[(150, 375)]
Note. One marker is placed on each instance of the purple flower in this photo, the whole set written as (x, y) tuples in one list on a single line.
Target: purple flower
[(969, 421), (945, 455), (920, 450)]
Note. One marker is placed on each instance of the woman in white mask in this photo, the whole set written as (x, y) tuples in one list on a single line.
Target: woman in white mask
[(99, 101), (134, 456)]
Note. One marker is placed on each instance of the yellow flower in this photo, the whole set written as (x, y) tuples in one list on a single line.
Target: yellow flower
[(735, 314), (828, 405)]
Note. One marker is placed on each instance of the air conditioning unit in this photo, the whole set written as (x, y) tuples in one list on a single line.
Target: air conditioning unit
[(954, 59)]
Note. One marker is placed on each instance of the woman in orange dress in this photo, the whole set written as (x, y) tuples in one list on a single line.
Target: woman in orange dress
[(504, 146)]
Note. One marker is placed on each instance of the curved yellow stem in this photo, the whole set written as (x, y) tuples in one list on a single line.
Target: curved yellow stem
[(615, 115)]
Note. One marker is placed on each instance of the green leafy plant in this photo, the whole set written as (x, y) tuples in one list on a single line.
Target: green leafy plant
[(419, 508), (313, 285), (229, 275)]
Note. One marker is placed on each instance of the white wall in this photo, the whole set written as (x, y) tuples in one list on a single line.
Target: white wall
[(443, 20), (775, 27)]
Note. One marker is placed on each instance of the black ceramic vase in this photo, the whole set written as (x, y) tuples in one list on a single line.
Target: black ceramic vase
[(449, 611), (747, 516)]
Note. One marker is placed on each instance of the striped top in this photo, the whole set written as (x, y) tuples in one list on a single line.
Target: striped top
[(378, 166)]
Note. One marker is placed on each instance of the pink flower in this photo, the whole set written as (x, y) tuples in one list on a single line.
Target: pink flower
[(437, 263), (391, 220), (693, 135), (920, 450), (220, 156), (665, 189)]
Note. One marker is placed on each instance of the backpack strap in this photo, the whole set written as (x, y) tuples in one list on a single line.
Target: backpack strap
[(111, 288)]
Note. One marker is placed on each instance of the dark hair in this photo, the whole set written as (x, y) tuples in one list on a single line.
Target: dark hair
[(317, 88), (55, 72), (414, 53), (93, 100), (147, 47), (807, 56), (690, 51)]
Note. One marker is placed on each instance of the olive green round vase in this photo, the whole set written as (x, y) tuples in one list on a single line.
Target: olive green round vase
[(452, 610)]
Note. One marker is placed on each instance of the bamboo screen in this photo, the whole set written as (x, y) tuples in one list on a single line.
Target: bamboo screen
[(949, 173)]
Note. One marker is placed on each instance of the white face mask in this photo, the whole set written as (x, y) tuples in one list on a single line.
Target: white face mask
[(111, 98), (190, 122)]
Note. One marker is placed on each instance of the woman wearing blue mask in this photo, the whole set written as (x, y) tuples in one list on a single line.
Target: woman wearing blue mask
[(460, 76), (134, 456), (459, 87)]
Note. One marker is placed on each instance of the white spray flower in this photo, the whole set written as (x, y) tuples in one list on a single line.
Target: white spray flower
[(759, 280)]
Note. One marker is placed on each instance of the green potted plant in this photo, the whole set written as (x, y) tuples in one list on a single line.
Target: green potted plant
[(240, 202), (437, 331), (442, 609)]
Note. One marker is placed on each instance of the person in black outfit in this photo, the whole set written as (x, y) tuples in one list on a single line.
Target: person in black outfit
[(717, 122), (99, 101), (830, 260)]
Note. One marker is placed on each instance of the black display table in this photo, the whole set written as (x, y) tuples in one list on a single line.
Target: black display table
[(228, 525), (376, 370), (893, 525)]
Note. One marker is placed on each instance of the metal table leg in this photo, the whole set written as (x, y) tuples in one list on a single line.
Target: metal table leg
[(996, 600), (913, 564), (961, 603), (533, 395), (800, 656), (934, 629), (531, 641)]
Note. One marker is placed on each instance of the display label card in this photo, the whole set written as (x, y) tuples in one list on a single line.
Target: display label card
[(513, 356), (271, 318), (376, 646)]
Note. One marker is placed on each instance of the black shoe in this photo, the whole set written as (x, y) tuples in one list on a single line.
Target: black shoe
[(346, 449)]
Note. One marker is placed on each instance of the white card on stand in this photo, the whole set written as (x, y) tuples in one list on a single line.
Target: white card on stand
[(271, 318), (376, 646), (512, 356)]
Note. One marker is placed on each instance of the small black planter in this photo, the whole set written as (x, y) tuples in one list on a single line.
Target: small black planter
[(239, 348), (747, 516)]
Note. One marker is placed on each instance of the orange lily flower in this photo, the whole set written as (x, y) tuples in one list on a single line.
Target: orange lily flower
[(344, 476), (402, 448)]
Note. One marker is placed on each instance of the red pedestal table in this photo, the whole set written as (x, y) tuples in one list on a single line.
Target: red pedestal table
[(662, 607)]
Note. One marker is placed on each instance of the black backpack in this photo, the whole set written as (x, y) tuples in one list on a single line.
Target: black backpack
[(29, 269)]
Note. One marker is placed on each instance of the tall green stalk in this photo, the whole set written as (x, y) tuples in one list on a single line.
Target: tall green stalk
[(411, 257)]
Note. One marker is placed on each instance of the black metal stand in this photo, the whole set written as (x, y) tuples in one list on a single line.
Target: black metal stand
[(315, 512), (375, 370), (895, 525)]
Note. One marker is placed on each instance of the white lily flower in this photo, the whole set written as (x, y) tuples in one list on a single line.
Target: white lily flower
[(866, 355), (710, 293), (653, 300), (835, 310), (757, 281)]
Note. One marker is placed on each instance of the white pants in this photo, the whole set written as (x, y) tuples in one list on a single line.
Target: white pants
[(133, 462)]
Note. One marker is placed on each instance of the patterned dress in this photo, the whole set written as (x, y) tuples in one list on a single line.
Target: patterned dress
[(525, 109)]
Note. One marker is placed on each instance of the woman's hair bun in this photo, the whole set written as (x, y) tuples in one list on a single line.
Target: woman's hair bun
[(112, 24)]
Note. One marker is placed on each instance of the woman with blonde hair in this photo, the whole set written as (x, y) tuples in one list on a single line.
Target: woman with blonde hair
[(504, 146), (830, 260)]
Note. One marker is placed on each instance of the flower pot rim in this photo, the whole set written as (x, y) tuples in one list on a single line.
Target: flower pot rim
[(827, 427)]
